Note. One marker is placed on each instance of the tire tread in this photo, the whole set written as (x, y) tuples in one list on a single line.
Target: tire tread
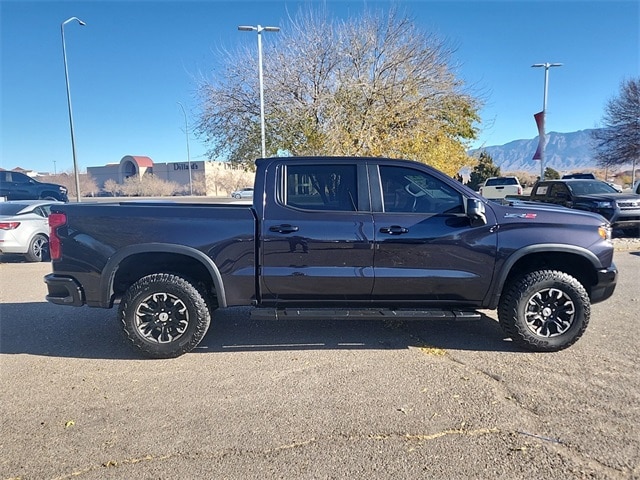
[(195, 295), (516, 328)]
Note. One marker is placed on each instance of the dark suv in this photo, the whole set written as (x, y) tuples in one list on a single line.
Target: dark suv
[(18, 186), (622, 210)]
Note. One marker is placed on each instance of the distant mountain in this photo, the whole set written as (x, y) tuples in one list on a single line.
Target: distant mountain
[(564, 152)]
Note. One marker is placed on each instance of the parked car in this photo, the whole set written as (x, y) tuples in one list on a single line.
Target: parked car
[(622, 210), (495, 188), (243, 193), (636, 188), (18, 186), (24, 228)]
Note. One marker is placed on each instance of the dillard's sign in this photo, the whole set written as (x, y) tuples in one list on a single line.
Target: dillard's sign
[(185, 166)]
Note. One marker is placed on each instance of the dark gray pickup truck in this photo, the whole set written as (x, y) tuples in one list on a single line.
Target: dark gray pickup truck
[(339, 237), (622, 210)]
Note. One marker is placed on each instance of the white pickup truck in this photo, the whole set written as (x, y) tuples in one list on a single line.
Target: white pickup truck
[(495, 188)]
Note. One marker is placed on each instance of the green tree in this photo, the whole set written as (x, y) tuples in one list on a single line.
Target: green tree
[(551, 174), (373, 86), (618, 142), (484, 169)]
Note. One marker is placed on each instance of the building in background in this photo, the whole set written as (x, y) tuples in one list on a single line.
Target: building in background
[(178, 172)]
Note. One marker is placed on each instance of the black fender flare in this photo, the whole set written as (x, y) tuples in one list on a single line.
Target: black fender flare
[(494, 293), (112, 265)]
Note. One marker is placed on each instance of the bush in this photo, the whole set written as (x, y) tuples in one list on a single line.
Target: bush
[(148, 186)]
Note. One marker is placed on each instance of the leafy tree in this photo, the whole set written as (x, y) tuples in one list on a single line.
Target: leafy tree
[(551, 174), (372, 86), (484, 169), (618, 142)]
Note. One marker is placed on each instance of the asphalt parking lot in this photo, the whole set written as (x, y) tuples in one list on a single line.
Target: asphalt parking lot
[(331, 399)]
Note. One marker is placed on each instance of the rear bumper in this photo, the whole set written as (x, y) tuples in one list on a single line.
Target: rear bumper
[(9, 244), (64, 291), (607, 280)]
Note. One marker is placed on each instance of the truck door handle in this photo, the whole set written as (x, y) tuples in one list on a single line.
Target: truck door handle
[(394, 230), (284, 228)]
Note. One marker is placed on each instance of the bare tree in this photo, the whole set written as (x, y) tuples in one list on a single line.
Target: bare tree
[(618, 142), (148, 186), (374, 85), (88, 184), (112, 187), (199, 184)]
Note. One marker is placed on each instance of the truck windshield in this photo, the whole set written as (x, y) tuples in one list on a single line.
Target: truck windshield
[(586, 187)]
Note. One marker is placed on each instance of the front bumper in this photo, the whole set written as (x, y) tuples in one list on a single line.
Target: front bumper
[(64, 291), (607, 280), (625, 218)]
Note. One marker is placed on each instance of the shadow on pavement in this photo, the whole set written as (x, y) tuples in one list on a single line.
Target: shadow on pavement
[(12, 258), (50, 330)]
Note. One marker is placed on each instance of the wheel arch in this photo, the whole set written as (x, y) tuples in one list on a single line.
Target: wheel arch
[(576, 261), (136, 261), (31, 241), (50, 195)]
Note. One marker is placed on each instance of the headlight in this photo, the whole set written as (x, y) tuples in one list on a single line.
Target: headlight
[(605, 232), (604, 204), (63, 189)]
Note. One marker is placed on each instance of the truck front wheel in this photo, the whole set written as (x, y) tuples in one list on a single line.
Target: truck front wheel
[(545, 311), (164, 315)]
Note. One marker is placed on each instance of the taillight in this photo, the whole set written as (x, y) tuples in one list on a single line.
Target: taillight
[(519, 190), (9, 225), (55, 220)]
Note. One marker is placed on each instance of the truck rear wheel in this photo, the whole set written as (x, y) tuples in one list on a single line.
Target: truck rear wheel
[(164, 315), (545, 311)]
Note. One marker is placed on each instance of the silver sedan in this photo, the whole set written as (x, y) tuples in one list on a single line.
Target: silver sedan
[(24, 228), (243, 193)]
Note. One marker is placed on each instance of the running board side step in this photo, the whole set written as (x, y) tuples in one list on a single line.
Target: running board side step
[(361, 314)]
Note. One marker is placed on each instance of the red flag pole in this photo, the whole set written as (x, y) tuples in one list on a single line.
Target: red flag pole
[(541, 116)]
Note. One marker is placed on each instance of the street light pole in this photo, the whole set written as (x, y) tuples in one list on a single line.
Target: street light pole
[(66, 77), (186, 132), (541, 126), (260, 29)]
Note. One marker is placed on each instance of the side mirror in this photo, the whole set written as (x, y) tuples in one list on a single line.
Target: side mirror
[(475, 212)]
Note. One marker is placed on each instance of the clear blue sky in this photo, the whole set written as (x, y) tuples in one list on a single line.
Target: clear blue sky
[(133, 61)]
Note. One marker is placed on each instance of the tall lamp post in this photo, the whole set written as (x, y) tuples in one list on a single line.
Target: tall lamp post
[(260, 29), (186, 132), (542, 116), (66, 77)]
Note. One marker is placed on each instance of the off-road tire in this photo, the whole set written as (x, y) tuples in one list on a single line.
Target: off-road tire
[(164, 315), (38, 249), (544, 311)]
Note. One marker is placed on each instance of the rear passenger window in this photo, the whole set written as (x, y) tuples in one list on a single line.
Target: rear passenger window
[(321, 187)]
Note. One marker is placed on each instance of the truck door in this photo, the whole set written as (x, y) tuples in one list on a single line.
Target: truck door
[(317, 235), (18, 186), (425, 248)]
